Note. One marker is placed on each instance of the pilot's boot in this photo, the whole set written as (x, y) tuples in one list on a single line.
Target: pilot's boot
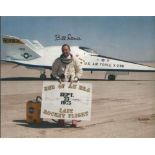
[(74, 123), (61, 123)]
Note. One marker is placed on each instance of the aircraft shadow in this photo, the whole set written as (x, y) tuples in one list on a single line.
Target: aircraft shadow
[(42, 125), (49, 79)]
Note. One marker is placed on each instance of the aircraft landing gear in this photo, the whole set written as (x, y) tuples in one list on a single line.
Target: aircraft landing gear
[(52, 76), (111, 77), (43, 75)]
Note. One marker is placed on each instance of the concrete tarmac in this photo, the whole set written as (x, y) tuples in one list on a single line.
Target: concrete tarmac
[(123, 108)]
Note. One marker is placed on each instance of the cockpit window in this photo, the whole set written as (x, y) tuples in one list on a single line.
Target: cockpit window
[(89, 50)]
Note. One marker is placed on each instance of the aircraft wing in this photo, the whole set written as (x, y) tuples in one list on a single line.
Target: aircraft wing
[(103, 63)]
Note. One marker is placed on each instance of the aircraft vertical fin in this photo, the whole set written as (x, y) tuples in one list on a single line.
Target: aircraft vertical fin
[(14, 48)]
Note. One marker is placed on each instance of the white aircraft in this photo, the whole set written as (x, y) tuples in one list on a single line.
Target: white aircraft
[(35, 56)]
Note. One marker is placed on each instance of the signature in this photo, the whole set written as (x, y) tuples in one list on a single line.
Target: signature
[(66, 37)]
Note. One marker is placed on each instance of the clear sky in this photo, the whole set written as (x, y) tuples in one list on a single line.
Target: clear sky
[(129, 38)]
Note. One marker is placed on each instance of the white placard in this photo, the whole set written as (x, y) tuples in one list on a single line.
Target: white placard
[(66, 100)]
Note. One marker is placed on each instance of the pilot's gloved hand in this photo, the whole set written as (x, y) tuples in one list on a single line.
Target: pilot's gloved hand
[(58, 78), (76, 79)]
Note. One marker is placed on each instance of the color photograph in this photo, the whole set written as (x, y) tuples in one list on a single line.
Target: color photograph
[(77, 76)]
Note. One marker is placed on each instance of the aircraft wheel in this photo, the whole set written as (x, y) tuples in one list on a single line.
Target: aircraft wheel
[(111, 77), (43, 76), (51, 76)]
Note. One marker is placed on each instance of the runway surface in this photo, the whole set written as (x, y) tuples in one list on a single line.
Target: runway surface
[(122, 108)]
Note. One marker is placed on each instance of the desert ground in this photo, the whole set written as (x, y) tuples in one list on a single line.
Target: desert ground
[(121, 108)]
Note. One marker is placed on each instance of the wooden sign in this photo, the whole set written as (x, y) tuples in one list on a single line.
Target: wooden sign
[(66, 100)]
